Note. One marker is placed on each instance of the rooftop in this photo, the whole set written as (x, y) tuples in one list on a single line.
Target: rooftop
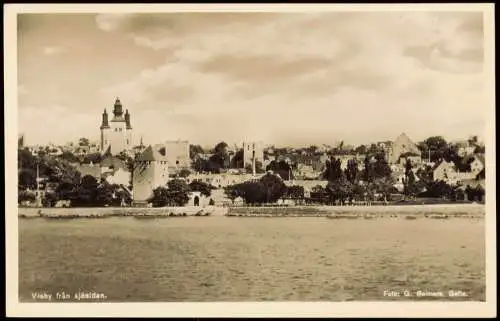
[(151, 154)]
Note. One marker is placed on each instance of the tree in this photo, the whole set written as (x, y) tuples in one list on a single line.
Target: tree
[(312, 150), (459, 194), (339, 190), (295, 192), (254, 192), (107, 194), (473, 140), (333, 170), (258, 168), (374, 149), (194, 150), (221, 155), (437, 147), (200, 164), (425, 175), (89, 181), (367, 172), (83, 142), (178, 191), (65, 190), (319, 194), (463, 164), (359, 191), (237, 160), (24, 196), (232, 192), (381, 168), (385, 186), (55, 169), (352, 172), (214, 164), (361, 149), (160, 197), (438, 189), (481, 174), (26, 178), (409, 179), (202, 187), (274, 186), (94, 158), (86, 193), (50, 199), (184, 173), (220, 148), (268, 188), (281, 168), (70, 157), (25, 159), (479, 150)]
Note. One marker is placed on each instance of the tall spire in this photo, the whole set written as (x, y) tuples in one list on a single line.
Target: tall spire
[(105, 123), (253, 163), (127, 120), (118, 110)]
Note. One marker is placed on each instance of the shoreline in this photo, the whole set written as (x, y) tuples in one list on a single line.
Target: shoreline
[(101, 212), (372, 211)]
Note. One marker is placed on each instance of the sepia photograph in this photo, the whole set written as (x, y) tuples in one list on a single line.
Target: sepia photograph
[(250, 160)]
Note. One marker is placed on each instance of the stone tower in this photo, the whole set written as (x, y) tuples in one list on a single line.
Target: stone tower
[(150, 172), (253, 152), (105, 129)]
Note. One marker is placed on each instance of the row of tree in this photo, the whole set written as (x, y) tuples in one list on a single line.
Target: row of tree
[(176, 192), (268, 189), (373, 181)]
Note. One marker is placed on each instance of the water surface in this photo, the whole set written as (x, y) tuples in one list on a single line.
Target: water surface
[(252, 259)]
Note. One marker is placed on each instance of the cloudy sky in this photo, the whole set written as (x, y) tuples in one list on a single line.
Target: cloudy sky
[(283, 78)]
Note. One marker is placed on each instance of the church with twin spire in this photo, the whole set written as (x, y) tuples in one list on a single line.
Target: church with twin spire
[(116, 134)]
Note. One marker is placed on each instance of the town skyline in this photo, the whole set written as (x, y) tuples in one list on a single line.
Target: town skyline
[(208, 147), (296, 79)]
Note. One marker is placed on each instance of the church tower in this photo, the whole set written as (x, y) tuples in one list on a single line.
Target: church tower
[(105, 129), (116, 135), (128, 130)]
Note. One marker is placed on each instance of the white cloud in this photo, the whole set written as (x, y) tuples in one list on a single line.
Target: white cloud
[(300, 77), (110, 22), (44, 124), (52, 50)]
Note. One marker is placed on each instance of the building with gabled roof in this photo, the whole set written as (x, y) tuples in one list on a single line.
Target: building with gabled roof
[(478, 163), (91, 169), (150, 172), (113, 162), (403, 145)]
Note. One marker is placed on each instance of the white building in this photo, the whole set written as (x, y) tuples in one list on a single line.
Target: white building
[(177, 154), (116, 134), (251, 151), (150, 172), (118, 176)]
